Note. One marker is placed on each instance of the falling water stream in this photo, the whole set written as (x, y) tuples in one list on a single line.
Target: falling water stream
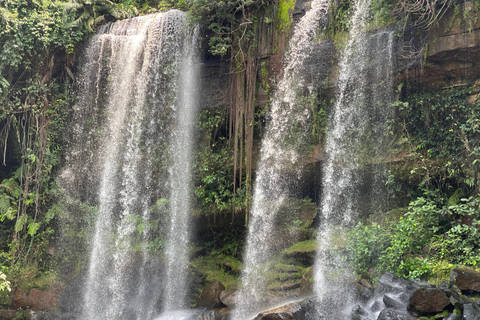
[(356, 136), (279, 161), (135, 114)]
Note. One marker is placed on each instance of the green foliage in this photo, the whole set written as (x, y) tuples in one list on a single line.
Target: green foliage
[(4, 283), (228, 22), (214, 166), (382, 12), (430, 234), (441, 129), (366, 244), (284, 14), (38, 38), (301, 247), (219, 267), (340, 13)]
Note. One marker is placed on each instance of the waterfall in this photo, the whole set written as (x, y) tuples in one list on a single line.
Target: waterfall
[(355, 144), (285, 135), (181, 184), (129, 155)]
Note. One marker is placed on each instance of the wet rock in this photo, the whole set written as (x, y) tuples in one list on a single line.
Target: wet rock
[(365, 290), (358, 313), (36, 299), (307, 283), (425, 301), (210, 297), (376, 306), (300, 310), (466, 279), (471, 311), (389, 283), (8, 314), (228, 298), (392, 314), (452, 316), (287, 286), (392, 301)]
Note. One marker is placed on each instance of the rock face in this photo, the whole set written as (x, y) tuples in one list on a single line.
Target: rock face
[(466, 279), (453, 48), (210, 297), (36, 299), (428, 300)]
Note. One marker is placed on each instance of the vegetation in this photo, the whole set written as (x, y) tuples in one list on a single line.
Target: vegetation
[(440, 131), (38, 40)]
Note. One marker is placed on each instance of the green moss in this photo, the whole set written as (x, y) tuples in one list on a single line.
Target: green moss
[(284, 18), (300, 247), (219, 268)]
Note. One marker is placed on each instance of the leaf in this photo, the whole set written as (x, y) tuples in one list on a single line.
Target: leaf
[(33, 228), (21, 222), (54, 210)]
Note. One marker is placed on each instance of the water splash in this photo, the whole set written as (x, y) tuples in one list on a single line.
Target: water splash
[(279, 161), (355, 141), (131, 98)]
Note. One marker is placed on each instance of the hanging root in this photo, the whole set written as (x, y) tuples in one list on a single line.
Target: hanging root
[(424, 13)]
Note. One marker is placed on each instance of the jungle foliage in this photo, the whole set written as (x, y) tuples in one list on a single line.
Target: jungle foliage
[(438, 131), (37, 46)]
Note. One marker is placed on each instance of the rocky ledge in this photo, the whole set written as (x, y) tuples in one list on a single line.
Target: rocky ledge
[(393, 298)]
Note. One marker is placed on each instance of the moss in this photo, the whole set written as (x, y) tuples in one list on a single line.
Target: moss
[(219, 268), (300, 247), (284, 18)]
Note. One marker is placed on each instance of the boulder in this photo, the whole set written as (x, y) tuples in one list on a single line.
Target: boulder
[(36, 299), (300, 310), (359, 313), (425, 301), (466, 279), (210, 297), (391, 301), (471, 311), (392, 314), (228, 298)]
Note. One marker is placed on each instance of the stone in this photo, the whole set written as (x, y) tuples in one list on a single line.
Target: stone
[(358, 313), (36, 299), (476, 87), (288, 286), (471, 311), (300, 310), (392, 314), (429, 300), (210, 297), (366, 284), (228, 298), (452, 316), (466, 279), (391, 301), (307, 283)]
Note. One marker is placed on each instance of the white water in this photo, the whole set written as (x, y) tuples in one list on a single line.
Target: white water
[(355, 139), (181, 185), (136, 99), (286, 130)]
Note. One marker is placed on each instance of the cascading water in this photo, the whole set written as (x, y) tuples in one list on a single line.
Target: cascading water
[(138, 85), (279, 163), (180, 226), (355, 144)]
